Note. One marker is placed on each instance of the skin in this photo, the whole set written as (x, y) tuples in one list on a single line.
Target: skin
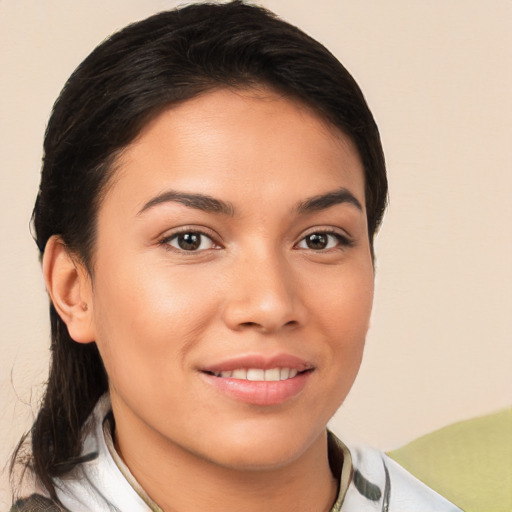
[(159, 313)]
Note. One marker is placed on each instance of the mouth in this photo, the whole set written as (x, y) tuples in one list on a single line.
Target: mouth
[(258, 374), (257, 380)]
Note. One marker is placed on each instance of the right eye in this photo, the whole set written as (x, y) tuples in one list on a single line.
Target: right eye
[(190, 241)]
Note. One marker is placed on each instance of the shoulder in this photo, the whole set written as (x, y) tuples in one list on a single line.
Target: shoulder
[(378, 483), (36, 503)]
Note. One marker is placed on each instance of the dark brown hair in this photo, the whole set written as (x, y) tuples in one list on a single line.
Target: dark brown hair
[(128, 79)]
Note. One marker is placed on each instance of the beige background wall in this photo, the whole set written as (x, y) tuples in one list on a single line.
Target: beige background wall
[(438, 77)]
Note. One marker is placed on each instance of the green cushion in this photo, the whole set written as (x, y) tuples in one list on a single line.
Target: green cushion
[(469, 463)]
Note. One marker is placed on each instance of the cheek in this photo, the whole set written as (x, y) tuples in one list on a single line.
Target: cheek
[(343, 301), (340, 309), (147, 317), (344, 311)]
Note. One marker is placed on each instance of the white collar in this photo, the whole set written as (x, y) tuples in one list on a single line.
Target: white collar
[(370, 481)]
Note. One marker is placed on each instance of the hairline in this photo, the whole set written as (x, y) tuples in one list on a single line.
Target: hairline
[(112, 165)]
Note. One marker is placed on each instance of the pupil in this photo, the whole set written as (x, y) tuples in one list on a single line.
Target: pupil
[(317, 241), (189, 241)]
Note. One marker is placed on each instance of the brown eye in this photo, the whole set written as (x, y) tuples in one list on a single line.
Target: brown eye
[(321, 241), (190, 241), (317, 241)]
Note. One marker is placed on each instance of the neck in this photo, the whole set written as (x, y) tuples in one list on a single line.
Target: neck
[(180, 481)]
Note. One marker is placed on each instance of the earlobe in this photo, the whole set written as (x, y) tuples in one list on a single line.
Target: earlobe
[(69, 286)]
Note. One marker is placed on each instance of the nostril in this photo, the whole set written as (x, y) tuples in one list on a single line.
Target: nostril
[(249, 324), (256, 325)]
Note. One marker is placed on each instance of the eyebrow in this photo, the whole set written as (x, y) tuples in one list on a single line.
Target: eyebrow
[(210, 204), (199, 201), (324, 201)]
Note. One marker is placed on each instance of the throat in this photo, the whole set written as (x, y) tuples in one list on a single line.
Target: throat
[(177, 479)]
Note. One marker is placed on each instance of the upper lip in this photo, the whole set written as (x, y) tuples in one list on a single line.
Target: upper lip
[(261, 361)]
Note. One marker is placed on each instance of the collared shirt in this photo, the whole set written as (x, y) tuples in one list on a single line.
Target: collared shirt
[(369, 481)]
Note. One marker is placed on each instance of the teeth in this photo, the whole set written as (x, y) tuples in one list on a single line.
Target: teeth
[(272, 374), (257, 374), (240, 374)]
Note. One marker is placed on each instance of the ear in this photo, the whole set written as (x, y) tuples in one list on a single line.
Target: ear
[(70, 289)]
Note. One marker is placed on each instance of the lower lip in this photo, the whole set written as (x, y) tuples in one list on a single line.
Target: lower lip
[(260, 392)]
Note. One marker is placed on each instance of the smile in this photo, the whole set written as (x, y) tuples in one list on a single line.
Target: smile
[(258, 374), (260, 381)]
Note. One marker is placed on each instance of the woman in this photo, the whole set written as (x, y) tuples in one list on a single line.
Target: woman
[(212, 183)]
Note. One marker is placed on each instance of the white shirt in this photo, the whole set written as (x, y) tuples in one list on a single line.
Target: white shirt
[(369, 480)]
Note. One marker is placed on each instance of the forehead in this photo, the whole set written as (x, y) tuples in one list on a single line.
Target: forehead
[(244, 141)]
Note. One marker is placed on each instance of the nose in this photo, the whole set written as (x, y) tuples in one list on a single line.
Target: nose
[(263, 295)]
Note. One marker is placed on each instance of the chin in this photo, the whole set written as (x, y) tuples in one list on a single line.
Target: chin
[(264, 449), (270, 459)]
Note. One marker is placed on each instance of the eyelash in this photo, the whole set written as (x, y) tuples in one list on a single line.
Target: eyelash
[(343, 241), (166, 241)]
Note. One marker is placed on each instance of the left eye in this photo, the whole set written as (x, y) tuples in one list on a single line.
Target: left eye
[(320, 241), (190, 241)]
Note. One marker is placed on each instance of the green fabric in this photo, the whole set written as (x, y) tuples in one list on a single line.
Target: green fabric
[(469, 463)]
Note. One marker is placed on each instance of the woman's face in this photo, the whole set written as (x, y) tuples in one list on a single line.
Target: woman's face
[(233, 279)]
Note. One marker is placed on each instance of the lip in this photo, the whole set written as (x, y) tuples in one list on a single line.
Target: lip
[(259, 392), (263, 393), (259, 361)]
